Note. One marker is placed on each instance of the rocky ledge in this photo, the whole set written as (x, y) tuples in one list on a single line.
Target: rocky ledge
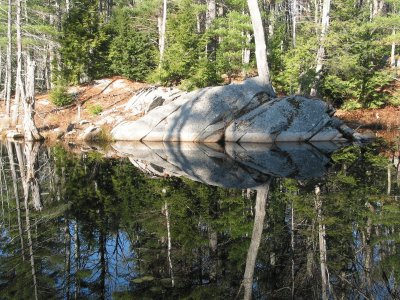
[(246, 112)]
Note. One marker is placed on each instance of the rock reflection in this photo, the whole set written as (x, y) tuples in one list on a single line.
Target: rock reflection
[(235, 165)]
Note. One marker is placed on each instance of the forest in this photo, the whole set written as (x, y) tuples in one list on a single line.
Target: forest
[(342, 51)]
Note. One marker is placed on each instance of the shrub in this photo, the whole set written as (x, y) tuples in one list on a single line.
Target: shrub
[(60, 97), (351, 105), (95, 109)]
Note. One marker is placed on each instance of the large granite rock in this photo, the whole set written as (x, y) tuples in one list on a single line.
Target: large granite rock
[(247, 112)]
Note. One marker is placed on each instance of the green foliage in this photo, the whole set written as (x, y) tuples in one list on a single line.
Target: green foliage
[(59, 95), (84, 44), (229, 52), (185, 45), (95, 109), (351, 105), (294, 72), (204, 74), (131, 52)]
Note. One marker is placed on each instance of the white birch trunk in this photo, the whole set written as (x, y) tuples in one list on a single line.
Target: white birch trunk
[(30, 131), (321, 50), (19, 90), (67, 6), (294, 22), (261, 46), (8, 59), (162, 30), (211, 14), (393, 52), (259, 39)]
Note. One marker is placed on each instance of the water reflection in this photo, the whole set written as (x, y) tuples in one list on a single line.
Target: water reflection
[(83, 226), (234, 165)]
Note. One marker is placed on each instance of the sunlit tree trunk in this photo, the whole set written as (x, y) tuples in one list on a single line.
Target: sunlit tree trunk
[(8, 76), (210, 17), (19, 89), (162, 30), (393, 52), (377, 8), (67, 6), (261, 199), (259, 39), (321, 50), (58, 14), (294, 22), (30, 131)]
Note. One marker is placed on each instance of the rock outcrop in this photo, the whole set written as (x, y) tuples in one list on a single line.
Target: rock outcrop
[(247, 112)]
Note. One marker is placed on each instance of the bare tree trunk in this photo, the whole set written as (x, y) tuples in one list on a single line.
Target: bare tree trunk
[(210, 17), (162, 29), (393, 52), (321, 51), (294, 22), (261, 199), (19, 90), (30, 131), (8, 59), (261, 46), (58, 14), (67, 6), (377, 8), (246, 52)]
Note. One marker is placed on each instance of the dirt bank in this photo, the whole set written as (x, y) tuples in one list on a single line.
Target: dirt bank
[(382, 122)]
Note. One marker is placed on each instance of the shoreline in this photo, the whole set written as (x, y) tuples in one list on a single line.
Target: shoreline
[(99, 104)]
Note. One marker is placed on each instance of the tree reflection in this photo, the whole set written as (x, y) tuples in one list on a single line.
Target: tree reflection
[(82, 226), (261, 199)]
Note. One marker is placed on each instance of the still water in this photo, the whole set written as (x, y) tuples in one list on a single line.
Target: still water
[(168, 221)]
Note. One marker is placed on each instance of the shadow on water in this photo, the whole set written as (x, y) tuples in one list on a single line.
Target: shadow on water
[(199, 221)]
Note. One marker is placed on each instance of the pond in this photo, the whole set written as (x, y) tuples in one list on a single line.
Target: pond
[(167, 221)]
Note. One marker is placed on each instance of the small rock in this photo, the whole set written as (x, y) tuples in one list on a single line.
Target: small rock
[(44, 102), (89, 134), (70, 127), (83, 122)]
